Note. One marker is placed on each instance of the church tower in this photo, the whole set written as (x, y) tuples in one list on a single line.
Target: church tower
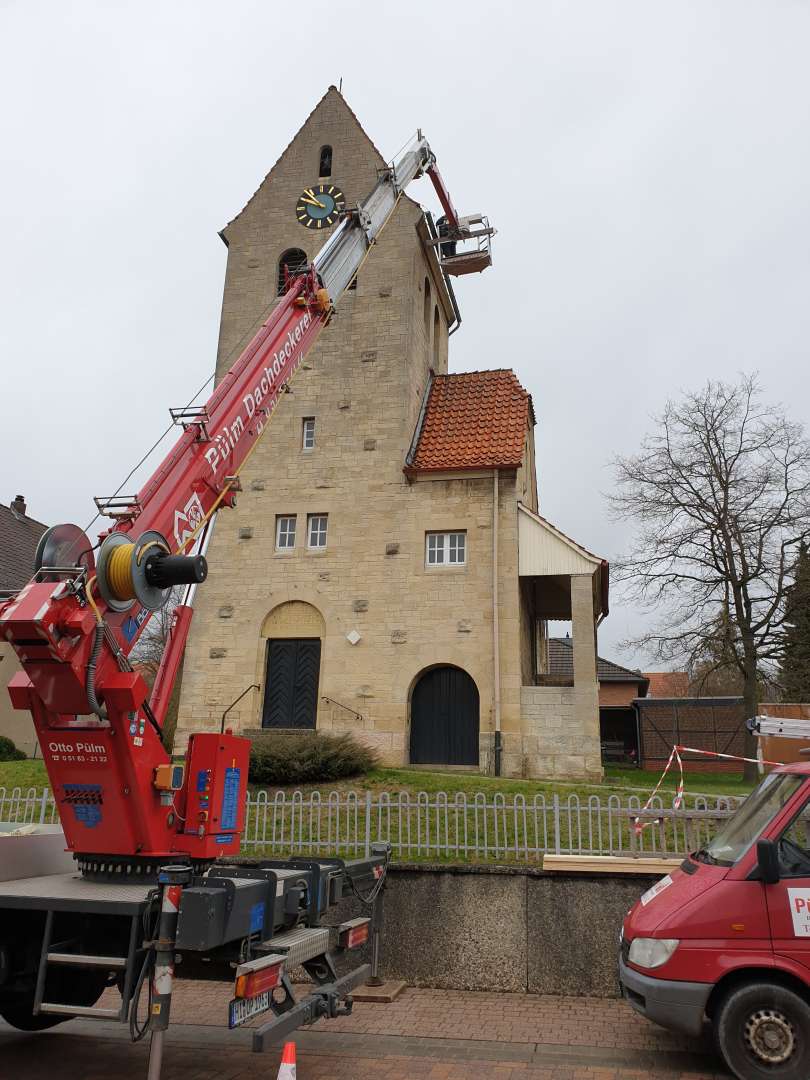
[(385, 571), (336, 444)]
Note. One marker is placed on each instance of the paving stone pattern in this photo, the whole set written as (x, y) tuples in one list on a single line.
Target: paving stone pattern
[(434, 1034)]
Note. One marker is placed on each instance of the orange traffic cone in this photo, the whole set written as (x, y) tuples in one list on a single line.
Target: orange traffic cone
[(287, 1070)]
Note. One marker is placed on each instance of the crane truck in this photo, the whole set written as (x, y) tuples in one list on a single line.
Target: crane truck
[(154, 887)]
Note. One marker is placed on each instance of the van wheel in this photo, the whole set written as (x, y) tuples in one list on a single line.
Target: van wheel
[(762, 1031)]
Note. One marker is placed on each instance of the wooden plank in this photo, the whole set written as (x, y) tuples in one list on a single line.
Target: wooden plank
[(613, 864)]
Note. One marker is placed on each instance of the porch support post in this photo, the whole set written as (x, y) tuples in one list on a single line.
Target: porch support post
[(586, 687)]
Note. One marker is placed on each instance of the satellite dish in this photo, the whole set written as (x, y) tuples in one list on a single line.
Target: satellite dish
[(64, 546)]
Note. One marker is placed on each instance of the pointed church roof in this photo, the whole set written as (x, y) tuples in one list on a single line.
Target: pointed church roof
[(332, 94)]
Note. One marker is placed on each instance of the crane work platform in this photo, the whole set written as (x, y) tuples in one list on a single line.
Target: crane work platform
[(464, 250)]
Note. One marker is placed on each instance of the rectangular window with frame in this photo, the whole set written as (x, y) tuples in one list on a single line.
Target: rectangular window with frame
[(285, 532), (308, 433), (445, 549), (316, 531)]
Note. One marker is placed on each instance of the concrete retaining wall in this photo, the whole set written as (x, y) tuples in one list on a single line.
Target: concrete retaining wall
[(493, 928)]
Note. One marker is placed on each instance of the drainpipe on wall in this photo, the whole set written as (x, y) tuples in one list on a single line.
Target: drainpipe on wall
[(496, 649)]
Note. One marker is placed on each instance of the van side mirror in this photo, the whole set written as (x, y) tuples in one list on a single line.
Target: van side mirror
[(768, 861)]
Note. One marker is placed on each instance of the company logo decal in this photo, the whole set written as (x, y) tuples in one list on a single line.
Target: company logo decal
[(799, 900), (86, 801), (655, 889), (188, 519), (258, 404), (131, 626)]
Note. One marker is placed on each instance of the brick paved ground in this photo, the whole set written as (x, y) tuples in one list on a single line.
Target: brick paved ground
[(430, 1034)]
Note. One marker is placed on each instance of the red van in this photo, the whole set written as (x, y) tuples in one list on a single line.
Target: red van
[(725, 939)]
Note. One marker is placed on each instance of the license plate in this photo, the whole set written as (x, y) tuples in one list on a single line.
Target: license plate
[(241, 1010)]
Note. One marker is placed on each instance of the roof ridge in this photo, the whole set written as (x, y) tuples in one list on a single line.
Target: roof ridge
[(23, 517), (480, 371), (569, 642), (278, 160)]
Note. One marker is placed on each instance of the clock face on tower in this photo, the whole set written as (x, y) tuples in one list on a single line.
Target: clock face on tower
[(318, 207)]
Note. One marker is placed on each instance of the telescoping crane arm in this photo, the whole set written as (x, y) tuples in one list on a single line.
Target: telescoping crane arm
[(75, 623)]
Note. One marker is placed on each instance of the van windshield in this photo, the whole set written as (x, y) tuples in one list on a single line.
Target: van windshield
[(737, 835)]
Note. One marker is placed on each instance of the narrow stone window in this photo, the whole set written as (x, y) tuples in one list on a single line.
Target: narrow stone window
[(285, 532), (316, 531), (308, 433), (295, 260), (436, 339), (325, 161), (445, 548), (427, 309)]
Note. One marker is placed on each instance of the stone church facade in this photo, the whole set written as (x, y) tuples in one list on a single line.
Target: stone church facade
[(386, 570)]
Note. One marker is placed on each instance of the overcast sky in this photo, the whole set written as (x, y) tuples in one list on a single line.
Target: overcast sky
[(647, 165)]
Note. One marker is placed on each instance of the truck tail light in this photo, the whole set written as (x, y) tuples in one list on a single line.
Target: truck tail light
[(259, 976), (354, 933)]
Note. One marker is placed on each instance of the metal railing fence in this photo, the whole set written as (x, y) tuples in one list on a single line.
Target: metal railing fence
[(28, 806), (453, 828)]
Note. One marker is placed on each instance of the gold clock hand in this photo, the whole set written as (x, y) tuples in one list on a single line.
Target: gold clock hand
[(313, 202), (311, 194)]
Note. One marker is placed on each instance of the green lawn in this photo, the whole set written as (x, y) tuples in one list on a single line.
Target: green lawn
[(23, 774), (496, 830), (618, 780), (695, 782)]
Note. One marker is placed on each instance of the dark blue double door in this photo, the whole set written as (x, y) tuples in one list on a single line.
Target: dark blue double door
[(291, 683)]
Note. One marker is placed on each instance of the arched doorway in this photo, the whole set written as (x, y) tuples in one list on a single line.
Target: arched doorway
[(293, 633), (444, 718)]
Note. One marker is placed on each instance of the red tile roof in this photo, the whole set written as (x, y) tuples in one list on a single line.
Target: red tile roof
[(473, 420), (668, 684)]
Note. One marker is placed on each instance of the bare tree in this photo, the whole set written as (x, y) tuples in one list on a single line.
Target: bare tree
[(720, 494), (149, 648)]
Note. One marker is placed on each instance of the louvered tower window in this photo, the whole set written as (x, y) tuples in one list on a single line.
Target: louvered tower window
[(295, 260)]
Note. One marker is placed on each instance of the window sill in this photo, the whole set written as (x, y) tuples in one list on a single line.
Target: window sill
[(316, 551), (447, 568)]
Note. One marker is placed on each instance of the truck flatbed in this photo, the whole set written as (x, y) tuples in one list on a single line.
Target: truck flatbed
[(72, 892)]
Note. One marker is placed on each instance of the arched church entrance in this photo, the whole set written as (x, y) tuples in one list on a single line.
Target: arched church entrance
[(444, 718), (292, 666)]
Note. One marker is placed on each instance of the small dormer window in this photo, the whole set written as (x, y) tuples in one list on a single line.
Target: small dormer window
[(325, 161)]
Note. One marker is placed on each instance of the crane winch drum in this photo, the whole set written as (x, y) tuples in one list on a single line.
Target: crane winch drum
[(145, 570)]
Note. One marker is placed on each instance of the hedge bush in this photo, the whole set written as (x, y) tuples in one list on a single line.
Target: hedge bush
[(8, 751), (307, 758)]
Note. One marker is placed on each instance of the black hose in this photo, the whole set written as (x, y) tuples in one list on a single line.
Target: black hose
[(137, 1031), (370, 897), (150, 716), (95, 704)]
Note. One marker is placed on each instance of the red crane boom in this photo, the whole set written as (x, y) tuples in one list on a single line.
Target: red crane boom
[(123, 804)]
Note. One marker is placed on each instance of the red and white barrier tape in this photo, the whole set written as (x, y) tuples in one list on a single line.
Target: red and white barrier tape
[(639, 825), (728, 757)]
